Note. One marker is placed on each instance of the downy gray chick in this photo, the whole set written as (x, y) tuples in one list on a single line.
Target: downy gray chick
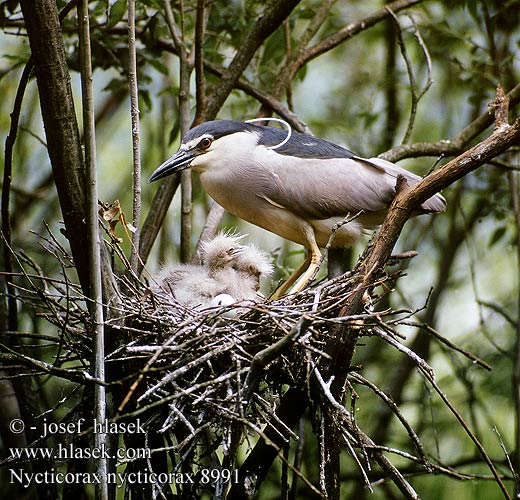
[(237, 267), (190, 285), (230, 273)]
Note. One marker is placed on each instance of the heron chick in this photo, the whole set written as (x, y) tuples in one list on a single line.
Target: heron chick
[(230, 273), (296, 186), (191, 285), (238, 267)]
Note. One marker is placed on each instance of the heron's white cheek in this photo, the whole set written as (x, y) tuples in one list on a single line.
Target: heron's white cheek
[(199, 163)]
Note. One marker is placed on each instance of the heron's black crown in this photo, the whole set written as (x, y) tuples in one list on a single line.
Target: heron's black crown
[(299, 145)]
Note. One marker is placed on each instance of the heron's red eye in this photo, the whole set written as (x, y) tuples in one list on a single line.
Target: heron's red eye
[(205, 143)]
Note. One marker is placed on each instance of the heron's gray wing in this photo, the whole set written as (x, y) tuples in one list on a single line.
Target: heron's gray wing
[(326, 187), (318, 189)]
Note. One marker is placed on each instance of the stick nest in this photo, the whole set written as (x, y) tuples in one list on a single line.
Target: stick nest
[(205, 368)]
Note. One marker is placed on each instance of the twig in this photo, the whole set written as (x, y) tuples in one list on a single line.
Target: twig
[(415, 93), (507, 457), (395, 409), (344, 34), (136, 150), (473, 438), (179, 40), (293, 55), (453, 146), (364, 440), (514, 187), (264, 357), (431, 331)]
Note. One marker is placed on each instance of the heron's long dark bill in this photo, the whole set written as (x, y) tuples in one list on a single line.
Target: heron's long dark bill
[(179, 161)]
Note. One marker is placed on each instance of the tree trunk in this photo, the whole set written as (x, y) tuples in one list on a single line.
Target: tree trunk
[(61, 127)]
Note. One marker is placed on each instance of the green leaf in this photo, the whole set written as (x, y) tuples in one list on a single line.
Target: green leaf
[(117, 11), (497, 235)]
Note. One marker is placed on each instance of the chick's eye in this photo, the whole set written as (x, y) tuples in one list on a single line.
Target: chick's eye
[(205, 143)]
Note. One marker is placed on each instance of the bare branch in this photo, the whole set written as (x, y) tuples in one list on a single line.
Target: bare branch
[(12, 320), (274, 15), (179, 39), (415, 93), (136, 149), (353, 29), (452, 146), (96, 294)]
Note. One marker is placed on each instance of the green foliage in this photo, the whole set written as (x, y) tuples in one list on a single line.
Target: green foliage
[(116, 12)]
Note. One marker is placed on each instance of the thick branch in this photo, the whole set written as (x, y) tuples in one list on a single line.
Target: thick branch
[(274, 14), (409, 198), (61, 127), (342, 347)]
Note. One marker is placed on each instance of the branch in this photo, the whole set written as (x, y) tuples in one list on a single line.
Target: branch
[(61, 127), (12, 318), (352, 29), (274, 14), (94, 249), (449, 147), (364, 440), (136, 153), (179, 41), (415, 93), (241, 84), (407, 199), (267, 355), (156, 215), (456, 235), (258, 462), (292, 63)]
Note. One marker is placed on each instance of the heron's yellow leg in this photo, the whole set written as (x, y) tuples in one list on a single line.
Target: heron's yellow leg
[(284, 287), (306, 271), (314, 265)]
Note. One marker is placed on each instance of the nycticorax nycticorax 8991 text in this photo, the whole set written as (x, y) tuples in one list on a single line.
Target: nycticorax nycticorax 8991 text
[(294, 185)]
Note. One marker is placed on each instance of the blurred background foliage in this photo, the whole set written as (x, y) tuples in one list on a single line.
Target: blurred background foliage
[(465, 279)]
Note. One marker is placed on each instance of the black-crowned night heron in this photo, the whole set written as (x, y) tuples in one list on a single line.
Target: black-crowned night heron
[(294, 185), (230, 273)]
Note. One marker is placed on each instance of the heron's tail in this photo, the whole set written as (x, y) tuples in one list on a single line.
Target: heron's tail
[(436, 203)]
